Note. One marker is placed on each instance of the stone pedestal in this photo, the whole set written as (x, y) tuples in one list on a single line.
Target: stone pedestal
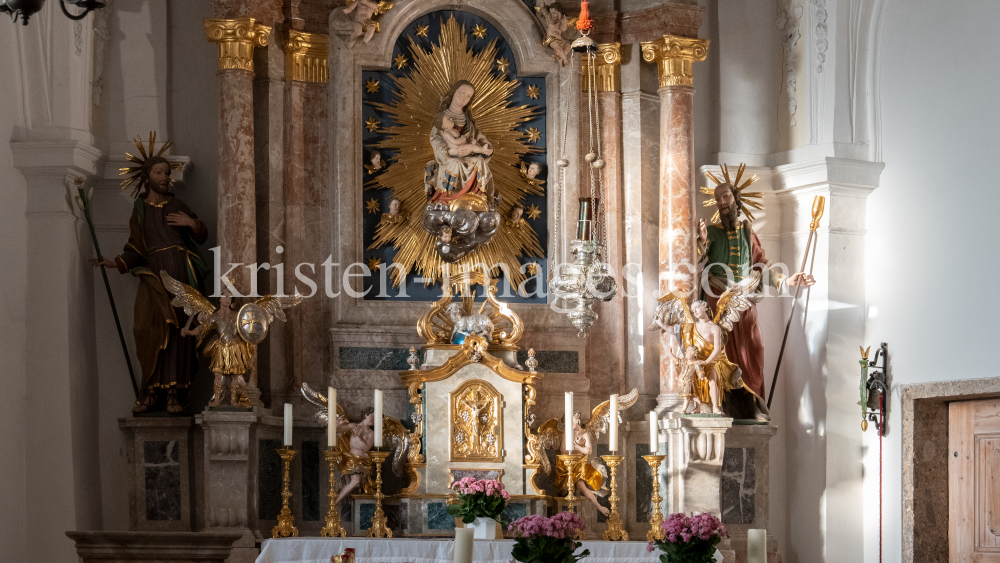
[(176, 547), (159, 458), (225, 469), (695, 447), (744, 496)]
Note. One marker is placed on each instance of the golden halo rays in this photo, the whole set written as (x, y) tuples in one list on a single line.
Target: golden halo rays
[(135, 172), (749, 199), (416, 99)]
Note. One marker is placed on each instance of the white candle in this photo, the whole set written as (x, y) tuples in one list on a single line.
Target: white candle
[(288, 425), (613, 433), (378, 418), (756, 546), (654, 437), (569, 422), (331, 415), (464, 541)]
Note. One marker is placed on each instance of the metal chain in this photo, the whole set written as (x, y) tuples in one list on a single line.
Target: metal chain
[(562, 169)]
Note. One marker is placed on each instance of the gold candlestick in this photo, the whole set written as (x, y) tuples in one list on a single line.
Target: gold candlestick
[(379, 528), (333, 529), (656, 521), (615, 532), (570, 461), (286, 521)]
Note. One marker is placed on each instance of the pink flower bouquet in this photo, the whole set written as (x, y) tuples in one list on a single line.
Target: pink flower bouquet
[(538, 539), (479, 498), (690, 539)]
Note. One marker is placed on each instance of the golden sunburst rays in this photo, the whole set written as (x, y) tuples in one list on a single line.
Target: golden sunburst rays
[(135, 172), (416, 99), (749, 199)]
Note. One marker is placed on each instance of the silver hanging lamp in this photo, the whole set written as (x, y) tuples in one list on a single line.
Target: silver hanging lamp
[(586, 280)]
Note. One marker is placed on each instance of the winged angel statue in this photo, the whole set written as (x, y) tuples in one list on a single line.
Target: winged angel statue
[(590, 479), (239, 333), (701, 365), (355, 440)]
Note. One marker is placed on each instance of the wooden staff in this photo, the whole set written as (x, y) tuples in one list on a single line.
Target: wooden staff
[(84, 202), (819, 202)]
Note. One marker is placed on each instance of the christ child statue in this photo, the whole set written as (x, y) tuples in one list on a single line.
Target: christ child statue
[(692, 374), (458, 144)]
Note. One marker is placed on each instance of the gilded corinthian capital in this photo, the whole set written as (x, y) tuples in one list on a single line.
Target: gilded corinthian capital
[(608, 75), (675, 58), (236, 39), (306, 57)]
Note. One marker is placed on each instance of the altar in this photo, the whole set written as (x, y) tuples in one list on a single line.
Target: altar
[(315, 550)]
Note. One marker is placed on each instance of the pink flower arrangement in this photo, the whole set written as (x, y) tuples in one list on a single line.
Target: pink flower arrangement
[(488, 487), (479, 498), (561, 526), (538, 539), (690, 538)]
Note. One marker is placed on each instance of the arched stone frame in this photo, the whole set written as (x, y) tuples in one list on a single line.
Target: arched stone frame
[(523, 33)]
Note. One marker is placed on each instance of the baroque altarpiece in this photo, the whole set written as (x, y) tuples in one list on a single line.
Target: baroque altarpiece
[(328, 158)]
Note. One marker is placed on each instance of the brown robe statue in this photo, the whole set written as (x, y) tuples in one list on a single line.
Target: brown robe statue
[(167, 359)]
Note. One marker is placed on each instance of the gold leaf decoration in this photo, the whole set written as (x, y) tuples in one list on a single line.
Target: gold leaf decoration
[(400, 61), (533, 134), (422, 29), (372, 205), (479, 31), (371, 86), (372, 124), (417, 98), (533, 212), (533, 91)]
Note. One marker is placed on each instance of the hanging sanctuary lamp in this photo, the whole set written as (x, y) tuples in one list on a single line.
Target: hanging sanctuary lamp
[(586, 280)]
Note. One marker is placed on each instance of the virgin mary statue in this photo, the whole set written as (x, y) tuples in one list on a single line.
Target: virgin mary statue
[(460, 213)]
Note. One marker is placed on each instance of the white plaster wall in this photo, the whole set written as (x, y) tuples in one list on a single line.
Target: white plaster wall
[(13, 281), (936, 203)]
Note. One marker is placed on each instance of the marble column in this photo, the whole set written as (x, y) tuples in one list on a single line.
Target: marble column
[(305, 194), (237, 222), (675, 57), (606, 346)]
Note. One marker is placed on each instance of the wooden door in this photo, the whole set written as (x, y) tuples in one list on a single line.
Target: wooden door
[(974, 481)]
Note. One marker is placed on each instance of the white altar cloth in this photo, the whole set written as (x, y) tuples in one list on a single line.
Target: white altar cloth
[(406, 550)]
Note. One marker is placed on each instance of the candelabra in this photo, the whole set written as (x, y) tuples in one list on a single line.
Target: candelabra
[(656, 521), (379, 528), (333, 529), (570, 460), (615, 532), (286, 522)]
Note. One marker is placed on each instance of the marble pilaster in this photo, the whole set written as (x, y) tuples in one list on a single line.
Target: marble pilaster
[(675, 57), (236, 39), (606, 346), (306, 145), (61, 484)]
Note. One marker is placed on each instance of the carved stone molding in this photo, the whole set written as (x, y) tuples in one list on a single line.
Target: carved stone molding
[(666, 19), (306, 57), (236, 39), (675, 57), (608, 75)]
